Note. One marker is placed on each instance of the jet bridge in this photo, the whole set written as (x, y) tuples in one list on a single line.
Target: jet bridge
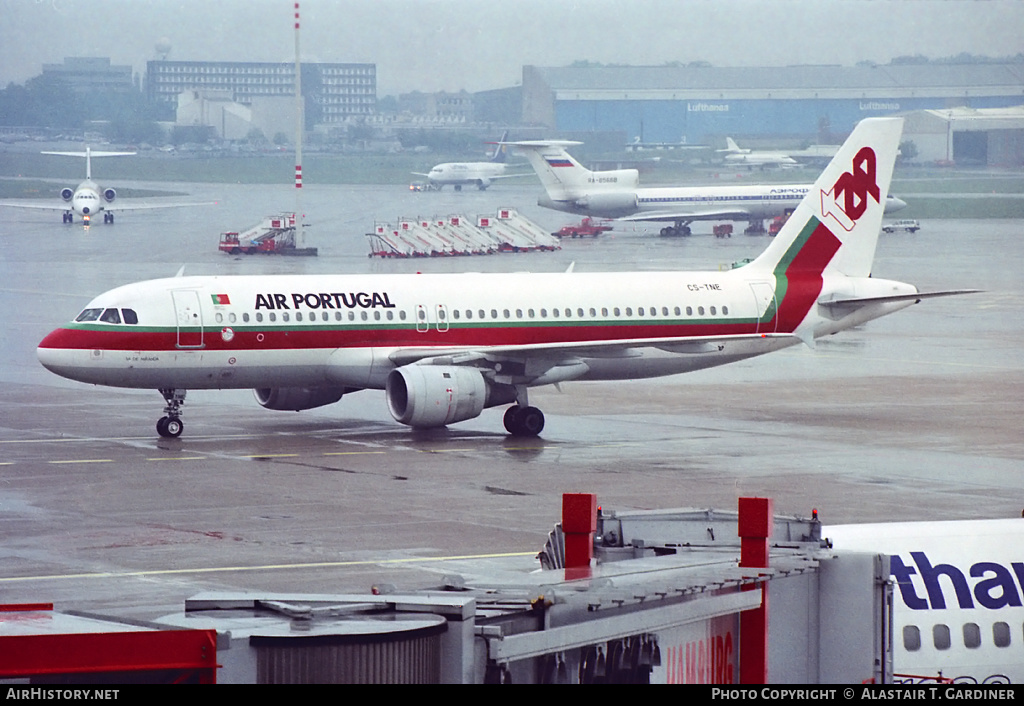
[(622, 597)]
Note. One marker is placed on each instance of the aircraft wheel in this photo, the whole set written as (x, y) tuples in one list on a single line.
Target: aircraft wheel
[(524, 421), (170, 427), (531, 421), (174, 427), (511, 419)]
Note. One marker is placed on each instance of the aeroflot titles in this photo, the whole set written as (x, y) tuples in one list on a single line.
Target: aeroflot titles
[(994, 591), (323, 300)]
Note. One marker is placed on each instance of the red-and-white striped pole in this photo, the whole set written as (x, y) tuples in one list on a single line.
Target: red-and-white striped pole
[(299, 127)]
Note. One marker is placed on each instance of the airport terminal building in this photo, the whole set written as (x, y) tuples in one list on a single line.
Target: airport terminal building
[(334, 92), (703, 104)]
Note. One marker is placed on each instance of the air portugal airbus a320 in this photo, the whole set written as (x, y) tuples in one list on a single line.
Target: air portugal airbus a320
[(446, 347)]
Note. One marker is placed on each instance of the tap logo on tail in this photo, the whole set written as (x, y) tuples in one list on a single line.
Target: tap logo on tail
[(854, 186)]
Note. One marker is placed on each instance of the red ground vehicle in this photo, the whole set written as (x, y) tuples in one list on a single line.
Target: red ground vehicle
[(776, 225), (587, 228)]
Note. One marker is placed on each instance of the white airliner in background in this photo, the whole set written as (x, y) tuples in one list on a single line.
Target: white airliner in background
[(89, 199), (572, 188), (446, 346), (735, 155), (479, 174), (958, 598)]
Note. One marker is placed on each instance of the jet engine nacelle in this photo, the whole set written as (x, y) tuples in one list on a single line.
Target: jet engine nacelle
[(612, 203), (294, 399), (67, 194), (109, 195), (483, 183), (435, 395)]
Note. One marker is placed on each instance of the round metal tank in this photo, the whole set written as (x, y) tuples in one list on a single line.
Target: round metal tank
[(389, 650)]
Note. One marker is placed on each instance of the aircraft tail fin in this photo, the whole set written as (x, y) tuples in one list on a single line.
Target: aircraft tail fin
[(500, 149), (835, 228), (558, 171), (565, 179), (731, 146)]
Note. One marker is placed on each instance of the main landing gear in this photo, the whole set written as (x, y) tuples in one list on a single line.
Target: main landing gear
[(524, 421), (170, 425), (680, 228)]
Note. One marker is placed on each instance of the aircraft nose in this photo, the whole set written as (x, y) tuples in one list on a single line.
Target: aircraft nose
[(53, 359), (895, 204), (57, 354)]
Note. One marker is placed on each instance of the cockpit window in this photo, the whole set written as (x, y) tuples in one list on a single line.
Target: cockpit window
[(89, 315), (110, 316), (130, 317)]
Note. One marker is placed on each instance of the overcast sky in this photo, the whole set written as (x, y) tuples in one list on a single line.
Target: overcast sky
[(433, 45)]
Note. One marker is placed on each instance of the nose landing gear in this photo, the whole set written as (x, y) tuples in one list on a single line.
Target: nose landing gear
[(170, 425)]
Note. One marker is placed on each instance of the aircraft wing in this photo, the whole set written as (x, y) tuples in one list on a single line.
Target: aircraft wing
[(693, 214), (38, 206), (151, 206), (509, 176), (109, 207), (533, 360)]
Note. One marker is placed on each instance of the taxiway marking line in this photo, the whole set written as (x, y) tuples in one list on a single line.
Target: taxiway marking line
[(71, 440), (351, 453), (264, 567), (85, 460), (179, 458)]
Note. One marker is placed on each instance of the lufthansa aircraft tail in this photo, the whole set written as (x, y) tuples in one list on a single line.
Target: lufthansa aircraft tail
[(500, 155), (835, 228)]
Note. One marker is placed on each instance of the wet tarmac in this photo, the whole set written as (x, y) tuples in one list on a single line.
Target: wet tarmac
[(915, 416)]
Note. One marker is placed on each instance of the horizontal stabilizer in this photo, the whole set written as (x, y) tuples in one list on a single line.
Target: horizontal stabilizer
[(90, 153), (541, 144), (856, 302)]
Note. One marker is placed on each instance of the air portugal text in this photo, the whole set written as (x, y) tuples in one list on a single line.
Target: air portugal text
[(324, 300)]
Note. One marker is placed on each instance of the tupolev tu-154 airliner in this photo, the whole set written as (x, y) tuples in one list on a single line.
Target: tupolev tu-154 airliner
[(571, 187), (445, 347)]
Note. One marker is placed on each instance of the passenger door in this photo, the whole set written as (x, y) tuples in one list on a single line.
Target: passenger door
[(189, 318)]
